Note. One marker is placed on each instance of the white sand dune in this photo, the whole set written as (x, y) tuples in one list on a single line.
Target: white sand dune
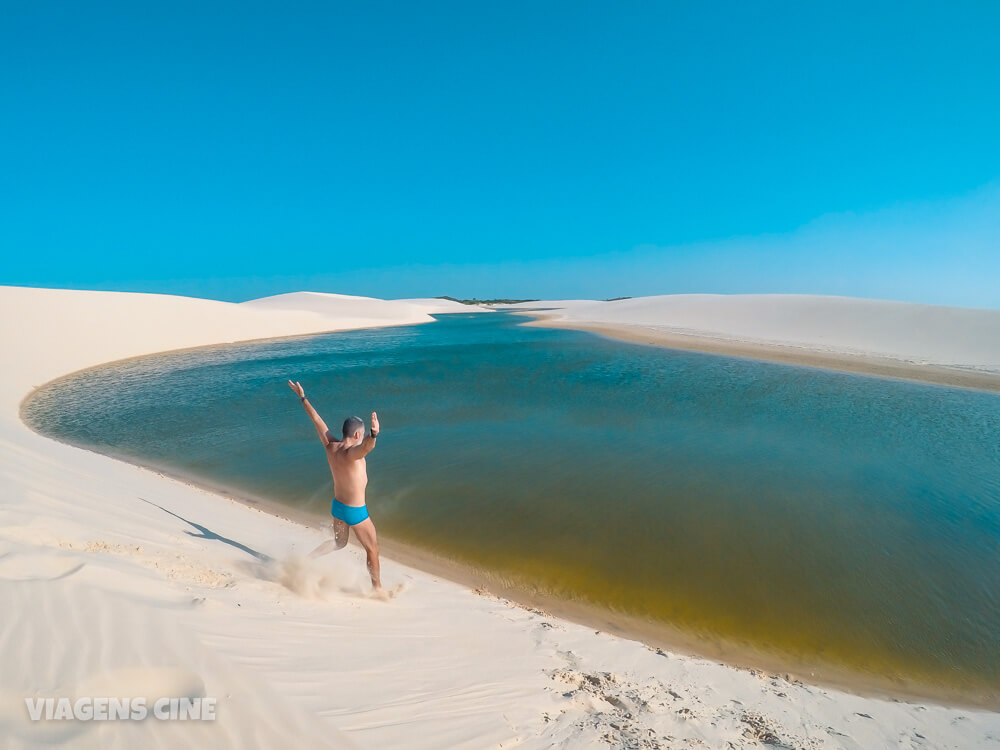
[(952, 336), (547, 304), (115, 578), (912, 340), (66, 330), (437, 305), (348, 306)]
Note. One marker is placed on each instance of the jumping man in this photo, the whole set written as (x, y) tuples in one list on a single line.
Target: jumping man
[(350, 477)]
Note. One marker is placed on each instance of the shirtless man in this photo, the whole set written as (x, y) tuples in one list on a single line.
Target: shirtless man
[(350, 477)]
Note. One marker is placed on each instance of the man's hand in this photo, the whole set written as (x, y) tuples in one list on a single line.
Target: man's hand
[(297, 388), (362, 449)]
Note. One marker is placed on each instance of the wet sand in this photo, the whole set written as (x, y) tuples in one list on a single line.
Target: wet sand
[(655, 635), (861, 364)]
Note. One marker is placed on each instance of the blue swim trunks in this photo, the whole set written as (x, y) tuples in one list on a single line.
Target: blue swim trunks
[(352, 515)]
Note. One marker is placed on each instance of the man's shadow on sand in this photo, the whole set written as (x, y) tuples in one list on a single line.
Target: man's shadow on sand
[(205, 533), (294, 574)]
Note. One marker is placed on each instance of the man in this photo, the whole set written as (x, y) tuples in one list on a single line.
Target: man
[(350, 477)]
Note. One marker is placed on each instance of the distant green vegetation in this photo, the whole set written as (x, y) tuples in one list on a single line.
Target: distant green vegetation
[(615, 299), (486, 301)]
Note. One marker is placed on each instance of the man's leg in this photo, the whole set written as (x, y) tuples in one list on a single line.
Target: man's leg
[(341, 533), (365, 532)]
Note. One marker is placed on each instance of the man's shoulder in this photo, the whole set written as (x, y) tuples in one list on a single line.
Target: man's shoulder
[(340, 451)]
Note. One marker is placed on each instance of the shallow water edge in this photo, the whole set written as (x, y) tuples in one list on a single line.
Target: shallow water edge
[(652, 633)]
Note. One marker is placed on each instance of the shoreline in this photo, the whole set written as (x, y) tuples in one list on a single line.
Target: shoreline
[(172, 576), (654, 635), (859, 364)]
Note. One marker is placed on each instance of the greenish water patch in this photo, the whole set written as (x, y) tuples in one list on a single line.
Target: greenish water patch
[(828, 517)]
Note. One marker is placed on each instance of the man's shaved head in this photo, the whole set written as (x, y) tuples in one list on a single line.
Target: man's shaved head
[(352, 425)]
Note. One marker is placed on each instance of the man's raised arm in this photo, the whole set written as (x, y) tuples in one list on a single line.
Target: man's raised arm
[(363, 448), (321, 428)]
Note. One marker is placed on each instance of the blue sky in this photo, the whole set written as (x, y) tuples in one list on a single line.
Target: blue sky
[(503, 149)]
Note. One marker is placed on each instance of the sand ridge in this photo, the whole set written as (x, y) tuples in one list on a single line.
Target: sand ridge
[(928, 343)]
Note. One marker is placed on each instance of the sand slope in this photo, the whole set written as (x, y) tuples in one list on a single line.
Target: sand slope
[(923, 334), (66, 330), (348, 306), (116, 579), (943, 345)]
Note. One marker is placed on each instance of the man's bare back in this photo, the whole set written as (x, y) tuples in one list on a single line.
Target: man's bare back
[(350, 475), (349, 468)]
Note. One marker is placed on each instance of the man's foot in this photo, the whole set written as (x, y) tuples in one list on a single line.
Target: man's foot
[(383, 594)]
